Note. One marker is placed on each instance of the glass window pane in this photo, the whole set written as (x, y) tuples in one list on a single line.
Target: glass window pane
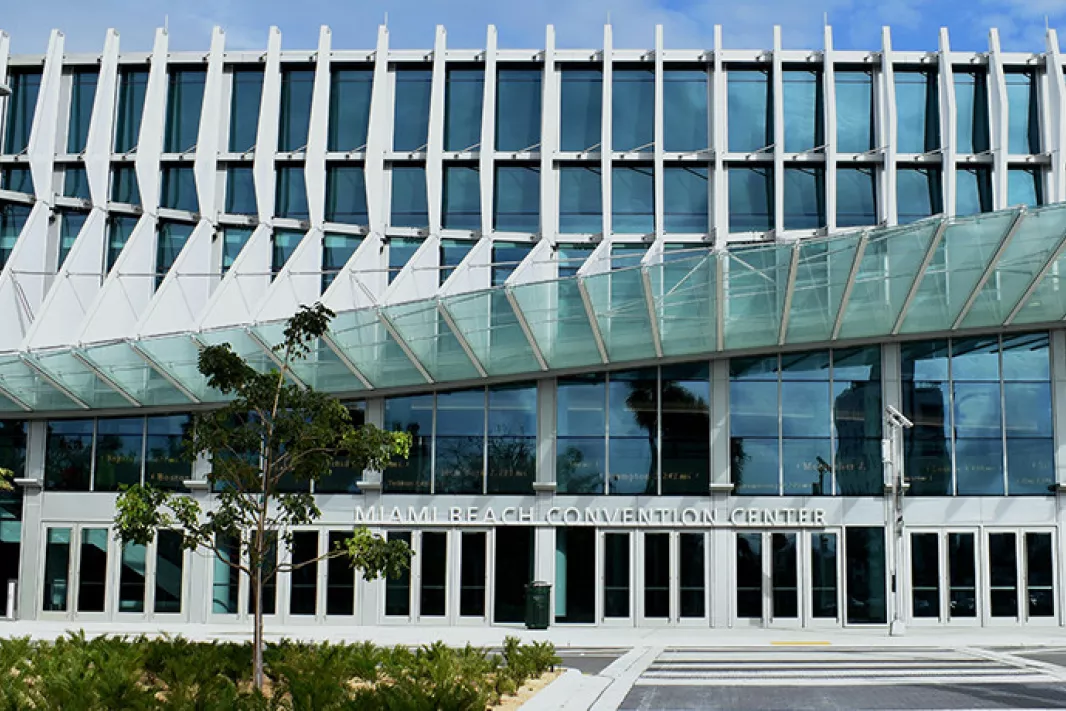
[(285, 243), (337, 249), (169, 564), (513, 572), (581, 433), (971, 100), (56, 570), (824, 594), (856, 197), (291, 199), (178, 190), (575, 575), (411, 109), (693, 575), (25, 86), (1025, 357), (512, 439), (580, 200), (76, 183), (346, 195), (804, 198), (16, 179), (925, 575), (70, 227), (452, 253), (616, 575), (751, 199), (124, 187), (685, 110), (865, 570), (581, 97), (973, 191), (460, 441), (170, 239), (464, 93), (133, 82), (755, 465), (462, 197), (244, 109), (132, 582), (119, 231), (1030, 466), (633, 425), (975, 359), (962, 575), (918, 194), (472, 574), (633, 200), (297, 85), (413, 415), (409, 202), (656, 584), (1040, 574), (855, 111), (633, 109), (82, 94), (400, 252), (68, 455), (517, 199), (233, 241), (226, 582), (518, 101), (398, 589), (270, 584), (685, 200), (784, 576), (12, 220), (749, 575), (685, 394), (750, 119), (92, 577), (303, 581), (340, 579), (1025, 186), (917, 112), (1003, 574), (185, 98), (119, 442), (349, 108), (166, 464), (1023, 113), (434, 574), (802, 104)]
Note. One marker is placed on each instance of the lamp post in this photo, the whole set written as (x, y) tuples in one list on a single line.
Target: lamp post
[(892, 454)]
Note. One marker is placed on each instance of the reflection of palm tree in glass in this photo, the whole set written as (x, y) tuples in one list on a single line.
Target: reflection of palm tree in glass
[(571, 472), (685, 418)]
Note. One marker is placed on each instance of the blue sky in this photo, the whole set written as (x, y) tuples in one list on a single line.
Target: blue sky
[(579, 23)]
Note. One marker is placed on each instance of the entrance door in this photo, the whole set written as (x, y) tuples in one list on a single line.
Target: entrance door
[(672, 578), (616, 577), (943, 577), (1020, 577), (787, 578)]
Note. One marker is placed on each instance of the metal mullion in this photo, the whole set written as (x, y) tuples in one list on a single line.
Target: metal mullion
[(951, 416), (433, 450), (485, 444), (1002, 415), (92, 462), (919, 275), (860, 251), (720, 299), (607, 433), (1004, 242), (780, 432), (659, 423), (1035, 282), (144, 446), (789, 291), (832, 429)]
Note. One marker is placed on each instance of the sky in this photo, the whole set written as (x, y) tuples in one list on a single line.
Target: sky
[(688, 24)]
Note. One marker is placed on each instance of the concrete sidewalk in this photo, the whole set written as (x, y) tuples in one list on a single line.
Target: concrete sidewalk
[(566, 637)]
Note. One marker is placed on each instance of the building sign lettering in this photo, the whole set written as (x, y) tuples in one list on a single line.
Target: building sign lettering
[(628, 517)]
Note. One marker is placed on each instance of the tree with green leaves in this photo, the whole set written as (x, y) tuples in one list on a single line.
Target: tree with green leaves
[(273, 437)]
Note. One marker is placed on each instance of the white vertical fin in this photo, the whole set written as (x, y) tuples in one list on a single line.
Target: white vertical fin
[(318, 133), (98, 142), (153, 121), (209, 138)]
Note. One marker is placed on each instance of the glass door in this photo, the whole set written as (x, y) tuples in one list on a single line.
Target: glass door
[(1020, 578), (616, 578), (473, 576), (787, 578), (656, 578), (942, 569)]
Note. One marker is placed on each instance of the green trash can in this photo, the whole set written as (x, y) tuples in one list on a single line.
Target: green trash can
[(538, 601)]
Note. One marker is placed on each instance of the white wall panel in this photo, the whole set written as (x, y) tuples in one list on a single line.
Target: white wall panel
[(24, 278), (153, 120), (41, 148), (361, 280), (419, 278), (98, 142), (127, 290), (241, 291), (185, 291), (299, 282)]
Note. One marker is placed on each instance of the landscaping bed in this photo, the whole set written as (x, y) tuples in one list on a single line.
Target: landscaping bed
[(107, 673)]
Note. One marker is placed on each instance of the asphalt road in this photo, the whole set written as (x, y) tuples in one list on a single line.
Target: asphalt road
[(823, 678)]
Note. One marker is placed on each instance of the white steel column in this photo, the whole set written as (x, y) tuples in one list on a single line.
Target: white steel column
[(101, 124), (378, 135), (266, 140), (778, 91), (887, 137), (1058, 400), (317, 134), (549, 142), (1055, 108), (719, 183), (41, 147), (209, 137), (153, 120), (998, 124), (5, 51), (659, 148), (488, 132), (829, 91), (435, 136), (948, 122), (606, 145)]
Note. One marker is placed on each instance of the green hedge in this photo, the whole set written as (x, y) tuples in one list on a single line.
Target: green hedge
[(106, 673)]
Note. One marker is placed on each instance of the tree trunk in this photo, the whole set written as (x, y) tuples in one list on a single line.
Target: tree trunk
[(257, 632)]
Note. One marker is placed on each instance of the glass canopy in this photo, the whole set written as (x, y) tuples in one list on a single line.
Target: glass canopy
[(985, 272)]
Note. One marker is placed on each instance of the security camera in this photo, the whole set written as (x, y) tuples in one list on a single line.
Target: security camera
[(895, 417)]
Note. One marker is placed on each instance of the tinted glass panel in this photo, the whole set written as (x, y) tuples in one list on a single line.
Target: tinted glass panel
[(169, 564), (118, 233), (513, 572), (296, 89), (82, 93), (131, 88), (685, 393), (166, 464), (291, 199), (226, 584), (349, 108), (170, 239), (804, 198), (1025, 186), (303, 594), (68, 455), (918, 193), (434, 562), (132, 582), (751, 199), (512, 439), (575, 575), (581, 101), (462, 197), (409, 203), (185, 98), (971, 100), (824, 593), (472, 574), (56, 594), (632, 398), (346, 195), (580, 200), (925, 575), (119, 442), (855, 111), (340, 579), (178, 190), (460, 442), (657, 575), (233, 241), (92, 577), (633, 200), (25, 86), (802, 104), (411, 113), (1023, 114), (1003, 574), (70, 226), (76, 183), (750, 117), (124, 187), (463, 95), (616, 576), (518, 109), (244, 109), (581, 427), (973, 191), (413, 415), (685, 114), (685, 200), (865, 571), (856, 197), (517, 199), (917, 113), (749, 575), (633, 109)]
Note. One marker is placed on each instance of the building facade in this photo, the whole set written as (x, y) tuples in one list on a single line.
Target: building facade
[(708, 338)]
